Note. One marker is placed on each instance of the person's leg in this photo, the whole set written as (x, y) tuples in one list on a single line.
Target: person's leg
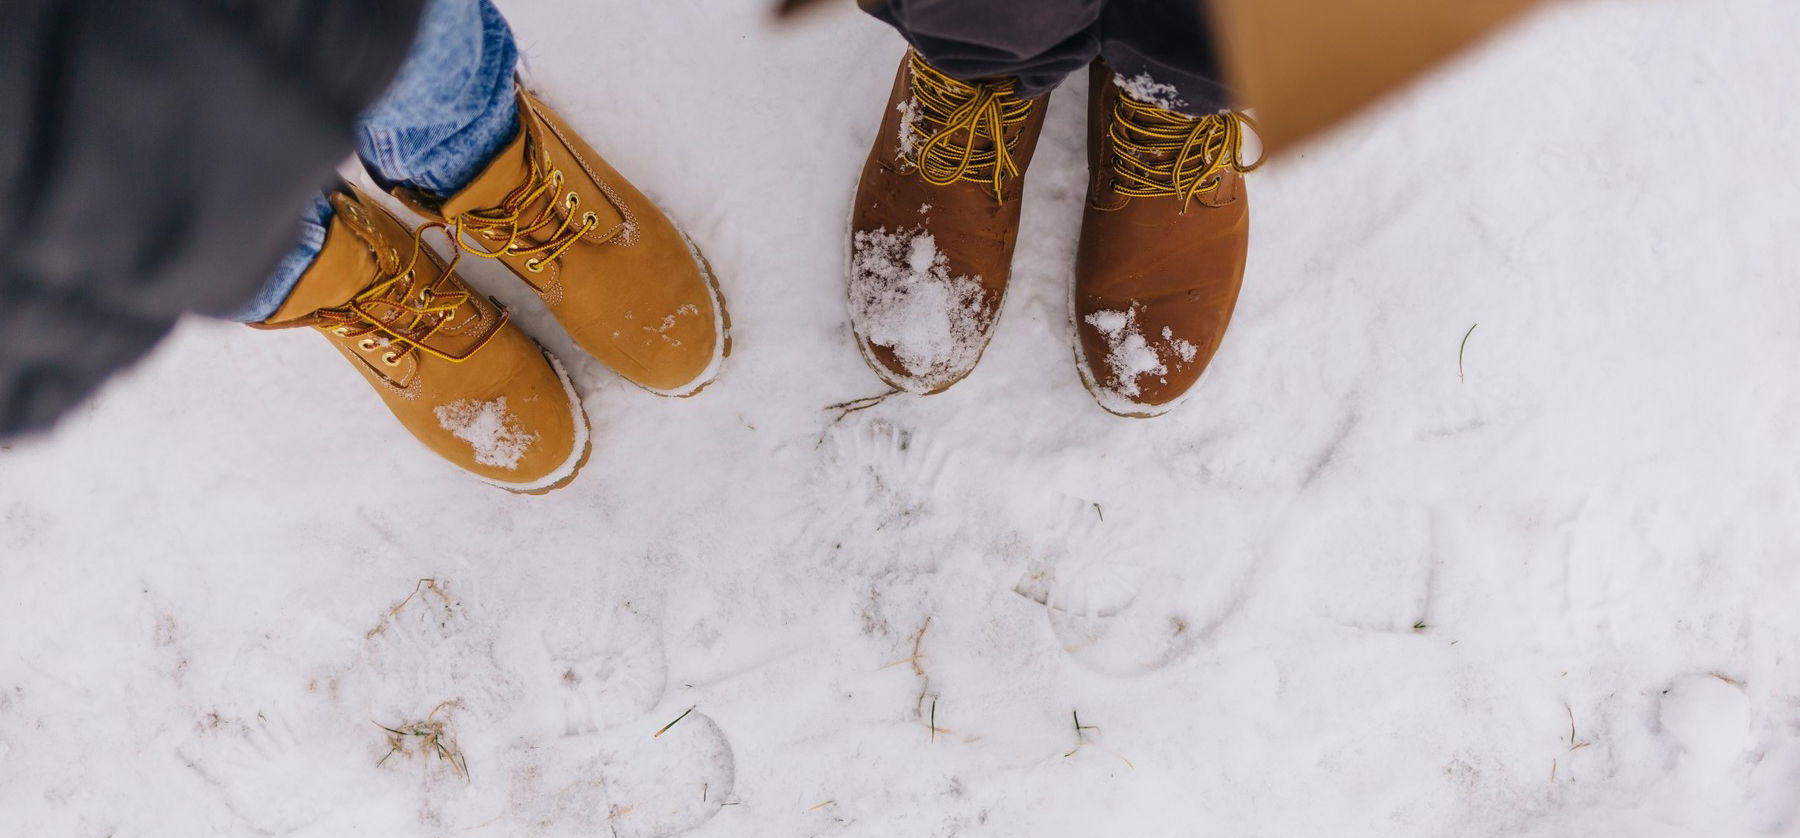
[(452, 107), (936, 212), (1166, 231), (449, 110), (1038, 42), (1163, 54), (313, 224), (454, 371), (461, 144)]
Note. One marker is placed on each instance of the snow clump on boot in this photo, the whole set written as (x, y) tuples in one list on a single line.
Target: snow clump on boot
[(904, 298), (490, 429)]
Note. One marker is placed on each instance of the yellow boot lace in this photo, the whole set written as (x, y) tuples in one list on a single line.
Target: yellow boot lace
[(961, 131), (543, 233), (403, 311), (1160, 153)]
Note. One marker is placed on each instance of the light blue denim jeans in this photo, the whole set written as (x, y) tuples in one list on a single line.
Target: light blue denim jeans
[(450, 109)]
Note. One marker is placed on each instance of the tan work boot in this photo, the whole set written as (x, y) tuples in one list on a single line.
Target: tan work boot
[(1162, 248), (453, 370), (629, 287), (935, 218)]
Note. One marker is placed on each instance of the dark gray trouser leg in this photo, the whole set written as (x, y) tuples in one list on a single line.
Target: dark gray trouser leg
[(1166, 44), (1040, 42)]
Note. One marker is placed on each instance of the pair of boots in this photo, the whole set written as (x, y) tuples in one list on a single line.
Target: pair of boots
[(1157, 273), (1162, 249), (628, 286)]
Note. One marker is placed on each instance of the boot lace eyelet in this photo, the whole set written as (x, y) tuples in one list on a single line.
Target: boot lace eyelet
[(368, 344), (391, 359), (590, 219), (534, 265)]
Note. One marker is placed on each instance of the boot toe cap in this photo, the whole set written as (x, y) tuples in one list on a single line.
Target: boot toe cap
[(527, 432), (1137, 369)]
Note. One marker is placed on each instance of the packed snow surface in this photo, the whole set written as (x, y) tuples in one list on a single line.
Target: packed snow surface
[(1343, 591), (492, 431)]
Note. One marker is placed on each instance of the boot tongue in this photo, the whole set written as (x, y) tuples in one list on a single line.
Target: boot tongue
[(505, 173), (344, 267), (511, 170)]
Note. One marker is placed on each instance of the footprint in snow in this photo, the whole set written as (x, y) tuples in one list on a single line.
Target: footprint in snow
[(1110, 607), (892, 462), (1707, 719), (272, 778), (1111, 615), (880, 480), (431, 647), (627, 782), (611, 664)]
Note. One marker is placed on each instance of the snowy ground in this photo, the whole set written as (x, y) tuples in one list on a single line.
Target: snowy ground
[(1345, 591)]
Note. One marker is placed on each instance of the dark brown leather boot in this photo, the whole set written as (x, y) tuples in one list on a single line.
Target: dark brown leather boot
[(1162, 248), (934, 221)]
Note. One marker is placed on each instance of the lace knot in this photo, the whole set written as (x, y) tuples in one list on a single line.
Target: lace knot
[(1160, 153), (401, 311), (954, 130), (533, 220)]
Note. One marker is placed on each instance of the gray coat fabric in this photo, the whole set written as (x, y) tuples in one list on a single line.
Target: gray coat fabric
[(154, 155)]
